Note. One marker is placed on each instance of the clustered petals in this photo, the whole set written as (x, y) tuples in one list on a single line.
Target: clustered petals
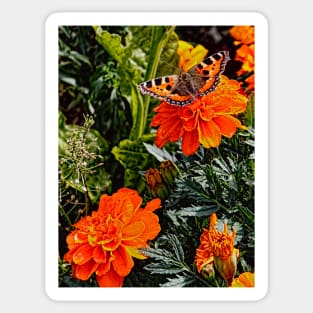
[(244, 37), (217, 248), (243, 34), (106, 242), (204, 121)]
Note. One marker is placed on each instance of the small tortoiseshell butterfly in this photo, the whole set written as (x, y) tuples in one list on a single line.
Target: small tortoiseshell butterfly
[(182, 89)]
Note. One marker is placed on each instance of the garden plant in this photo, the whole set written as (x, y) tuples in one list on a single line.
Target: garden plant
[(156, 156)]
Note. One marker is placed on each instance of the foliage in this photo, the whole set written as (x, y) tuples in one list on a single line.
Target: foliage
[(106, 142)]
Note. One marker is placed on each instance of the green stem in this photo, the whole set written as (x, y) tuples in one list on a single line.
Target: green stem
[(63, 213), (204, 281), (87, 197), (158, 42)]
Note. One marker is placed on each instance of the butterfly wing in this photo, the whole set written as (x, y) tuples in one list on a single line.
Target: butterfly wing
[(200, 80), (159, 87), (165, 88), (210, 69)]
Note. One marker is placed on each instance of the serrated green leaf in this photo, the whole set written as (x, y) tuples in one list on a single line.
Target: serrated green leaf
[(198, 211), (177, 247), (163, 269), (179, 281)]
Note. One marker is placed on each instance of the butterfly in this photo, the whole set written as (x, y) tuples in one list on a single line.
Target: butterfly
[(182, 89)]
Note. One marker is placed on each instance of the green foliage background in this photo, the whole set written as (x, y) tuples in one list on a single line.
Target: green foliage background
[(105, 142)]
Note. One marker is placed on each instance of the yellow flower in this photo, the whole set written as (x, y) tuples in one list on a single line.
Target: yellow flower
[(245, 279), (189, 55)]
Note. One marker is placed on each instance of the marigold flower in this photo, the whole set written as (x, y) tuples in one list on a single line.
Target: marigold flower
[(242, 34), (204, 121), (245, 54), (217, 248), (245, 279), (106, 242)]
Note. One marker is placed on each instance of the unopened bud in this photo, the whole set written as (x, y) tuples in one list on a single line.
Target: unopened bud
[(168, 171), (156, 184), (227, 266)]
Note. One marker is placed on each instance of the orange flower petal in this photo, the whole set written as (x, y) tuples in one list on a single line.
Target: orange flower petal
[(133, 230), (76, 238), (112, 244), (68, 257), (243, 34), (190, 142), (132, 195), (103, 268), (153, 205), (209, 134), (99, 255), (110, 279), (123, 262), (154, 227), (245, 279), (83, 254), (84, 271), (227, 124), (206, 113), (135, 242), (170, 129)]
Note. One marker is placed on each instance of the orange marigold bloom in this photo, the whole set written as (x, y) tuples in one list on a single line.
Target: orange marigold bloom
[(245, 54), (106, 242), (217, 248), (245, 279), (242, 34), (204, 121)]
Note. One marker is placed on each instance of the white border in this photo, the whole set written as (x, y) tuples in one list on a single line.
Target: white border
[(261, 153)]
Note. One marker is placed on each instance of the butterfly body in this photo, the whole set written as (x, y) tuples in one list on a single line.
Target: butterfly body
[(183, 89)]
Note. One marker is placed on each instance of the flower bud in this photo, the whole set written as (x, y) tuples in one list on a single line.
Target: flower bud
[(168, 171), (208, 271), (156, 184), (227, 266)]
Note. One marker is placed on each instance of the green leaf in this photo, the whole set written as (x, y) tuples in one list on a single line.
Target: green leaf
[(179, 281), (177, 247), (166, 269), (194, 210), (135, 159), (130, 73), (132, 154), (160, 154), (112, 43)]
